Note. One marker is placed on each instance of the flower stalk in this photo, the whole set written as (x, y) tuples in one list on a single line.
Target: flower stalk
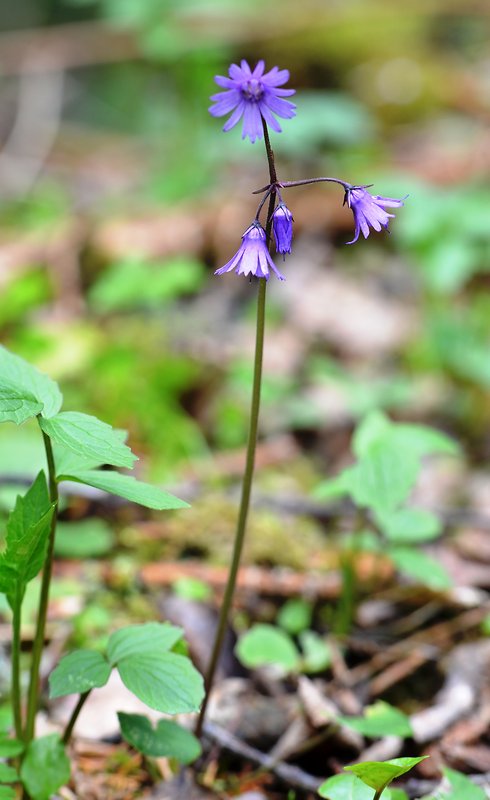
[(250, 458)]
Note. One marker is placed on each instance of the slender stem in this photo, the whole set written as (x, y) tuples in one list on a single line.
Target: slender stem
[(76, 711), (306, 181), (250, 459), (378, 793), (16, 697), (37, 649)]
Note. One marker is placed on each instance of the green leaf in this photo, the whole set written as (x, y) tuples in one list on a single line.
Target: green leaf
[(78, 672), (7, 793), (462, 786), (28, 529), (147, 639), (17, 405), (266, 644), (88, 437), (372, 429), (168, 740), (380, 719), (128, 487), (45, 767), (165, 681), (10, 747), (87, 538), (421, 567), (14, 371), (295, 615), (378, 774), (192, 589), (8, 774), (68, 461), (410, 525), (347, 787), (384, 478), (317, 655)]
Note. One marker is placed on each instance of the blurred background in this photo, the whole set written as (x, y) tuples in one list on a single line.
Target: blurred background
[(119, 196)]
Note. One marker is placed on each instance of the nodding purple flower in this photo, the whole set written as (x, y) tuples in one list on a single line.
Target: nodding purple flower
[(282, 223), (252, 257), (253, 95), (369, 210)]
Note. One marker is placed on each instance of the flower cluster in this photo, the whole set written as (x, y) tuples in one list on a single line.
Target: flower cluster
[(255, 96)]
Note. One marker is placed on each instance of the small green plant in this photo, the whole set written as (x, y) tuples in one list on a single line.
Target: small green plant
[(366, 777), (266, 644), (389, 458), (148, 657)]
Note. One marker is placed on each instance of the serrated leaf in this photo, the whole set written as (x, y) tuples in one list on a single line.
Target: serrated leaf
[(347, 787), (8, 774), (165, 681), (168, 739), (10, 747), (462, 786), (147, 639), (17, 405), (410, 525), (14, 371), (88, 437), (78, 672), (45, 767), (421, 567), (128, 487), (378, 774), (265, 644), (68, 461), (28, 529), (380, 719)]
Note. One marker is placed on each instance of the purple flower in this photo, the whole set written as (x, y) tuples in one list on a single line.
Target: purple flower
[(252, 257), (282, 223), (369, 210), (253, 95)]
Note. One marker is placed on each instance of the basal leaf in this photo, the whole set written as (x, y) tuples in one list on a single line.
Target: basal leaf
[(347, 787), (378, 774), (28, 529), (8, 774), (421, 567), (408, 525), (78, 672), (10, 747), (45, 767), (266, 644), (128, 487), (462, 786), (380, 719), (150, 638), (164, 681), (384, 478), (7, 793), (317, 655), (88, 437), (14, 371), (168, 739), (17, 404)]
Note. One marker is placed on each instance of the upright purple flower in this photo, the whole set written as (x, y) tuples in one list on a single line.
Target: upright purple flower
[(253, 95), (282, 223), (252, 257), (369, 210)]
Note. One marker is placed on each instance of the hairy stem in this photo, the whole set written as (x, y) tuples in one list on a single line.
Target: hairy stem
[(76, 711), (16, 696), (250, 460), (37, 649)]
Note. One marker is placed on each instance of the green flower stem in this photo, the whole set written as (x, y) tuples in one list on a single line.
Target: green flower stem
[(378, 794), (76, 711), (37, 649), (16, 697), (249, 464)]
